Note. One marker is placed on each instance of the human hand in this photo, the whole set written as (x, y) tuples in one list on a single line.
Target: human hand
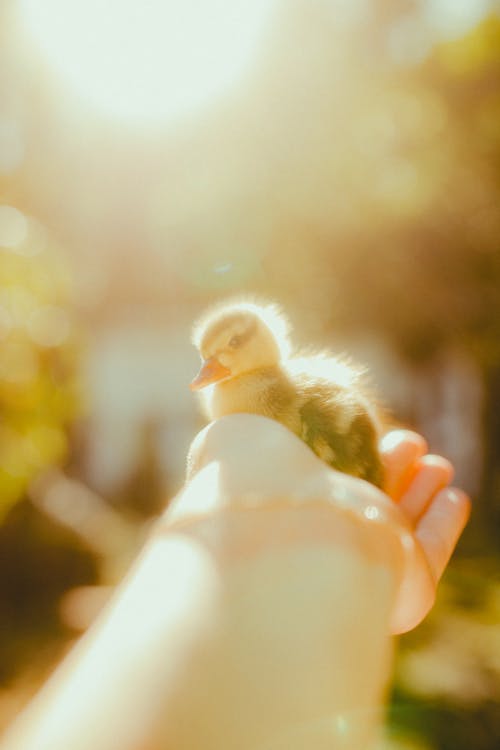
[(248, 463), (437, 513)]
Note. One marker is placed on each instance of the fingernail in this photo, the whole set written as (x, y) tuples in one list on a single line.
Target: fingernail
[(455, 496), (438, 462), (395, 437)]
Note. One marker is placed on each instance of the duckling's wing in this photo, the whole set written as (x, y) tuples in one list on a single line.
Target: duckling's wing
[(338, 427)]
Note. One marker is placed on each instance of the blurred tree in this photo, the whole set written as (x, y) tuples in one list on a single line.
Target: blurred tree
[(38, 386), (39, 399)]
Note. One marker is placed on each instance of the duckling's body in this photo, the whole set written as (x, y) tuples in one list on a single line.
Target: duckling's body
[(266, 391), (318, 398)]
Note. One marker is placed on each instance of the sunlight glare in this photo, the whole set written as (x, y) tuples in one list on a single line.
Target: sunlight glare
[(155, 60), (454, 18)]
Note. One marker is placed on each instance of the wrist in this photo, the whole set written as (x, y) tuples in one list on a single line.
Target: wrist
[(248, 525)]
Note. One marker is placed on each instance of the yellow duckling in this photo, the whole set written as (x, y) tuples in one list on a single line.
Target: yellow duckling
[(246, 360)]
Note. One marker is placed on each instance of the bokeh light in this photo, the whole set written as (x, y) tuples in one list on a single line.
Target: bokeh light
[(453, 18), (13, 227)]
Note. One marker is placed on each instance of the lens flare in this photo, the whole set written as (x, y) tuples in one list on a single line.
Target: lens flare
[(158, 60)]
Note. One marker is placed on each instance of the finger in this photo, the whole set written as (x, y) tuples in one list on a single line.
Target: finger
[(432, 473), (440, 527), (399, 450)]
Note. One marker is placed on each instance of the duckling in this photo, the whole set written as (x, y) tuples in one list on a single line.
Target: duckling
[(247, 367)]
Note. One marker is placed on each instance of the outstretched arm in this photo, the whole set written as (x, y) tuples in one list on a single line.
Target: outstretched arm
[(258, 614)]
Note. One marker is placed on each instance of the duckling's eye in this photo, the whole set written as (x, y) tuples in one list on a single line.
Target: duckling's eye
[(235, 342)]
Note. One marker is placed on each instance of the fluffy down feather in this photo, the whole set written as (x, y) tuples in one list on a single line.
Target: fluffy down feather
[(247, 367)]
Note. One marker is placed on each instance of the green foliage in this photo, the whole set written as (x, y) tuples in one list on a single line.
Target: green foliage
[(448, 670), (447, 288), (412, 244), (38, 392)]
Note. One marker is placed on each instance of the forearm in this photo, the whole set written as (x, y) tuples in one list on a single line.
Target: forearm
[(286, 644), (297, 654), (113, 685), (257, 617)]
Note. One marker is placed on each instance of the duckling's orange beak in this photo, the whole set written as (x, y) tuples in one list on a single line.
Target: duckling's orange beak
[(211, 371)]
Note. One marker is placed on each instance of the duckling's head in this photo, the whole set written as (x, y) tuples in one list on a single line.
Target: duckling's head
[(239, 337)]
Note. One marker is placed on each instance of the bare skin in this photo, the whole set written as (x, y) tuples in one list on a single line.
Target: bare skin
[(426, 514), (269, 578)]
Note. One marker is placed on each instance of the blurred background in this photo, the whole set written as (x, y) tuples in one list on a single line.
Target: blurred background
[(341, 157)]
